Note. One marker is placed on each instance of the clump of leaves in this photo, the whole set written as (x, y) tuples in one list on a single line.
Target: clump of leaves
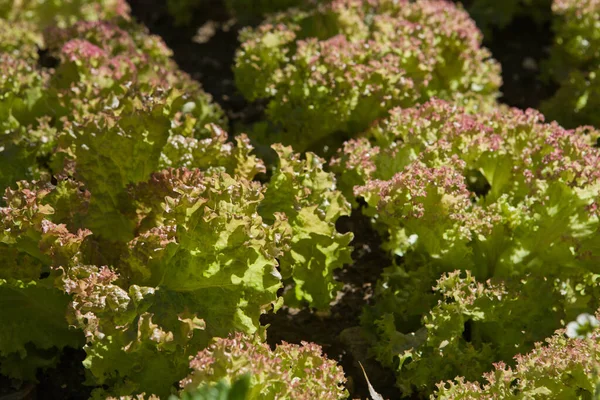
[(289, 371), (332, 69), (575, 63), (559, 368), (138, 233), (162, 261), (101, 68), (61, 13), (505, 198)]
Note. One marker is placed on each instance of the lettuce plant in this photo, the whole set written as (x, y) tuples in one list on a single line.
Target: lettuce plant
[(21, 97), (32, 243), (20, 39), (241, 367), (577, 36), (164, 260), (159, 263), (134, 228), (101, 67), (565, 368), (101, 60), (223, 390), (508, 199), (203, 265), (289, 371), (575, 63), (46, 266), (62, 13), (332, 69), (140, 230)]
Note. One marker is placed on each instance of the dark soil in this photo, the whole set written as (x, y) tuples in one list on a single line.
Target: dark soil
[(67, 382), (205, 49), (521, 49)]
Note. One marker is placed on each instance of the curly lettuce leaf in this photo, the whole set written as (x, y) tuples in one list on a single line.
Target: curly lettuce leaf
[(289, 370), (402, 53), (306, 194), (202, 265), (33, 310), (62, 12), (503, 196), (560, 367)]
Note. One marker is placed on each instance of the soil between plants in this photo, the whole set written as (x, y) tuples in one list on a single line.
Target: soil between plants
[(205, 49)]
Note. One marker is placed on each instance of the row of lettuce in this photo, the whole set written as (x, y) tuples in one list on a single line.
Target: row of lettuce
[(133, 227), (572, 64)]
